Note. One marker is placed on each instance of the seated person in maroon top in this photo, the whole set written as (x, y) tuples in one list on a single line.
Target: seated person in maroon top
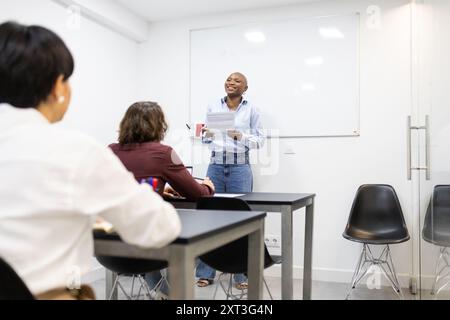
[(140, 150)]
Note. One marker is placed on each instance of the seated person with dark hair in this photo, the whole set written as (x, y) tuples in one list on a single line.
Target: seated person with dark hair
[(140, 149), (55, 182)]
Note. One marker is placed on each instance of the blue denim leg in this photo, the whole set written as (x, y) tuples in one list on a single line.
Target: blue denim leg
[(204, 271), (239, 179), (239, 278), (216, 174), (153, 278), (231, 178), (227, 179)]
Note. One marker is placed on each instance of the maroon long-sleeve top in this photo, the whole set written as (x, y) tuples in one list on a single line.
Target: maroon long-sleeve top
[(153, 159)]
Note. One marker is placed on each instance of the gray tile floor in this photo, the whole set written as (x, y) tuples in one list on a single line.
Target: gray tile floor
[(320, 291)]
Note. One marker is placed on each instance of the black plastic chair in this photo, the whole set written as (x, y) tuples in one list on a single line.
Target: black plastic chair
[(376, 218), (436, 230), (129, 267), (232, 258), (11, 285)]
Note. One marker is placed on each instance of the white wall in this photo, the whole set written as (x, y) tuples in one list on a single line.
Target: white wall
[(331, 167), (111, 15), (104, 82)]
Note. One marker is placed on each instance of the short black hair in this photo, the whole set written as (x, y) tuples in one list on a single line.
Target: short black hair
[(31, 60)]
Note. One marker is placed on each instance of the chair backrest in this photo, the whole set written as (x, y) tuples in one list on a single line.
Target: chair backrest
[(441, 197), (126, 266), (436, 228), (376, 216), (232, 257), (221, 203), (11, 285)]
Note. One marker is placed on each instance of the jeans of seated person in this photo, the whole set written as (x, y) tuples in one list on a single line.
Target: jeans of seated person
[(206, 272), (227, 179), (153, 278)]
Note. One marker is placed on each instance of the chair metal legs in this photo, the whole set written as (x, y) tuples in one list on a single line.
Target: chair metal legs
[(116, 282), (217, 286), (384, 263), (142, 286), (442, 272), (229, 290), (268, 290), (158, 286)]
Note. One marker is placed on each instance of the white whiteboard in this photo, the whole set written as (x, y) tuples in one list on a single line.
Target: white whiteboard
[(303, 73)]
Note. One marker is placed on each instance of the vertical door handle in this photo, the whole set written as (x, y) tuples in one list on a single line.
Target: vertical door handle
[(427, 167), (408, 146), (428, 147)]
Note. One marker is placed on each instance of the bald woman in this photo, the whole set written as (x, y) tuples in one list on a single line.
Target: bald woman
[(230, 168)]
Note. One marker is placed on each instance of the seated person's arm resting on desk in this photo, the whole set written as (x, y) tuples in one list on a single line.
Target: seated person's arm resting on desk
[(138, 214), (169, 192), (181, 180)]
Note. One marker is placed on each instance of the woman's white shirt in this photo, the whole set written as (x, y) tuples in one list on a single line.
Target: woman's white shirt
[(53, 184)]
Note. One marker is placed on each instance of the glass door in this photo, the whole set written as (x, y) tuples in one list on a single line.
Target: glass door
[(432, 126)]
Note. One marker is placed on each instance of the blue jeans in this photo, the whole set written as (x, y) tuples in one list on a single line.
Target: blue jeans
[(227, 179), (153, 278)]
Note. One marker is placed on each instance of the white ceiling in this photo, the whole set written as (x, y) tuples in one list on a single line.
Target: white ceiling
[(159, 10)]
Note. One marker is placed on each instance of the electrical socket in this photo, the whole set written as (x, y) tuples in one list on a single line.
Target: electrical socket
[(273, 241)]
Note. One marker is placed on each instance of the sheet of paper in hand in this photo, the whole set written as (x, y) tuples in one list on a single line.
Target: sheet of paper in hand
[(221, 121)]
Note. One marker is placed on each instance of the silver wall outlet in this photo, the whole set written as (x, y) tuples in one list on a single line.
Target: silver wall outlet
[(273, 241)]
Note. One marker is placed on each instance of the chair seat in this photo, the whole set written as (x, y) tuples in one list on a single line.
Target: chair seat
[(386, 236), (438, 232), (277, 259), (12, 286), (128, 266)]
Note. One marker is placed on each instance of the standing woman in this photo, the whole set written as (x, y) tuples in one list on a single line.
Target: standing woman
[(230, 169)]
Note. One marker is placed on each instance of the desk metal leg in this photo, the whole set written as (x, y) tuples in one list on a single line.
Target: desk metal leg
[(287, 286), (110, 279), (256, 263), (181, 273), (307, 264)]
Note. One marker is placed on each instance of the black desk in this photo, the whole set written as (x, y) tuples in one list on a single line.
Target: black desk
[(202, 231), (286, 203)]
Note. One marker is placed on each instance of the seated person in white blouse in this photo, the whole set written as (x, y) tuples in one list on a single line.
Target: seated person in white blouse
[(54, 183)]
